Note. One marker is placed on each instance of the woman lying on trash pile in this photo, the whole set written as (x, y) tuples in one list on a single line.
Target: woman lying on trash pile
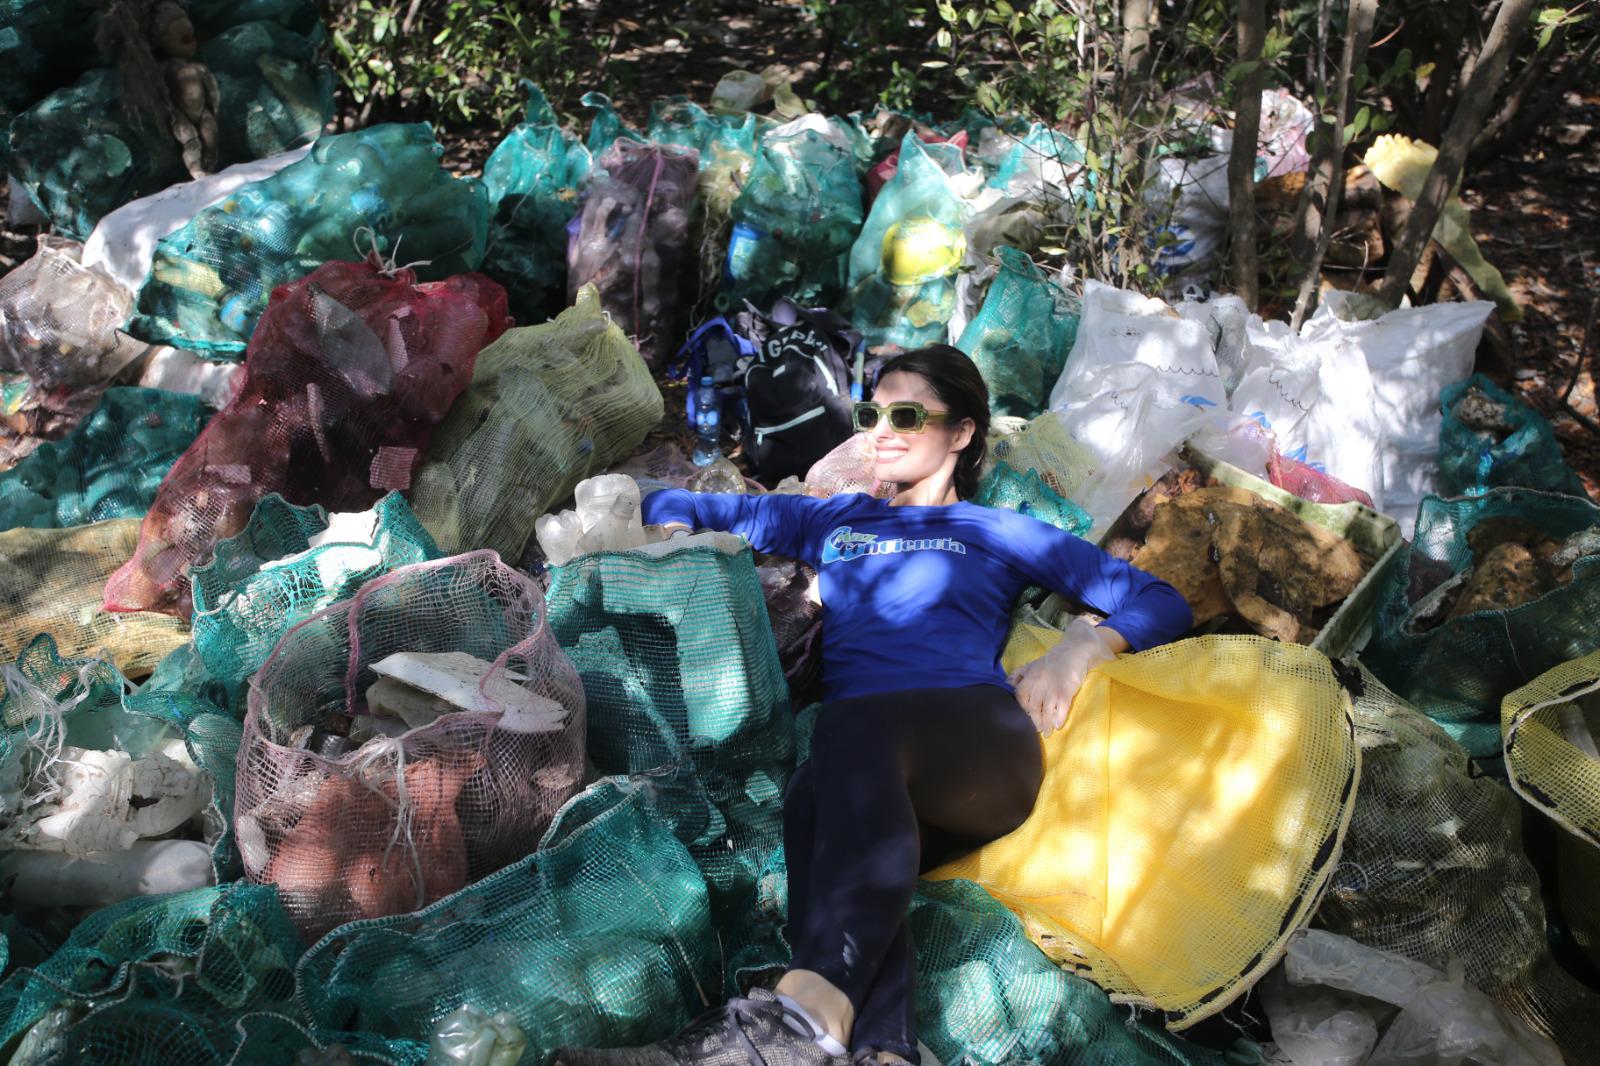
[(924, 749)]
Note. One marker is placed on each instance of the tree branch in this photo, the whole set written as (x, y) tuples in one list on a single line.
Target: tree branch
[(1252, 29), (1487, 73), (1319, 201)]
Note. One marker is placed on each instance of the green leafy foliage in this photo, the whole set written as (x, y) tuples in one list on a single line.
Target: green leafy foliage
[(457, 62)]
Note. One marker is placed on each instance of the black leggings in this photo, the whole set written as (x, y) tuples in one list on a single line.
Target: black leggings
[(897, 783)]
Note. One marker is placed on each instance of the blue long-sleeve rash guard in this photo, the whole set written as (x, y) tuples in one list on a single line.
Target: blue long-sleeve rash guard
[(917, 597)]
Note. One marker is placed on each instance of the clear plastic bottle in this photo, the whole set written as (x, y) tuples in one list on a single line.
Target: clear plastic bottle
[(708, 424)]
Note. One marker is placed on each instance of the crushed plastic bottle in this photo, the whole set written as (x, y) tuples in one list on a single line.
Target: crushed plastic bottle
[(607, 518), (708, 424)]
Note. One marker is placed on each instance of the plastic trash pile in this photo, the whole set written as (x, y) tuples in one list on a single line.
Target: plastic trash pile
[(349, 711)]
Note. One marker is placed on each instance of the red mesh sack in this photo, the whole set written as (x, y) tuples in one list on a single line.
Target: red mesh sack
[(354, 815), (348, 372), (1309, 483)]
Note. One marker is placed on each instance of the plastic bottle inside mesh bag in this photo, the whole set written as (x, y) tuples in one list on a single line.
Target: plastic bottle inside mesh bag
[(468, 1036)]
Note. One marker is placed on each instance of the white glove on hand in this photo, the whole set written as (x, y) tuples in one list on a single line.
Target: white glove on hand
[(1045, 687)]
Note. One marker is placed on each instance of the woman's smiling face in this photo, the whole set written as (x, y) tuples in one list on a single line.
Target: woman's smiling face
[(908, 458)]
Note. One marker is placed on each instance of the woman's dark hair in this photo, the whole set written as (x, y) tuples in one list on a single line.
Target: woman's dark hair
[(954, 378)]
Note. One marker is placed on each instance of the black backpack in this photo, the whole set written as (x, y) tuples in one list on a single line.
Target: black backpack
[(797, 389)]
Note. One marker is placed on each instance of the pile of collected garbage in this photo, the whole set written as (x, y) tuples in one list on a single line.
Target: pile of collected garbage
[(350, 710)]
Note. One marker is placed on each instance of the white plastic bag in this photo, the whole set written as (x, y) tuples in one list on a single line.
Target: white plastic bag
[(1138, 381), (1332, 1003), (469, 1036), (1412, 354), (1316, 394), (123, 243), (1190, 197)]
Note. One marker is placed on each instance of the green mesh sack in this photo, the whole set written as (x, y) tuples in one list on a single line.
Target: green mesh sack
[(680, 670), (109, 466), (210, 279), (181, 694), (1490, 438), (679, 120), (1458, 671), (903, 265), (986, 994), (211, 17), (41, 41), (1021, 336), (1028, 494), (275, 90), (285, 565), (532, 179), (1433, 869), (600, 938), (795, 218), (156, 981), (607, 127), (80, 156), (548, 406)]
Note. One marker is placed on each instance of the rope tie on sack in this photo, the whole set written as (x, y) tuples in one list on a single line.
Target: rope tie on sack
[(638, 245), (387, 267), (373, 753)]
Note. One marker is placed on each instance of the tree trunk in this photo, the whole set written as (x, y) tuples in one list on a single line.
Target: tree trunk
[(1487, 73), (1319, 202), (1252, 30), (1138, 22), (1517, 119)]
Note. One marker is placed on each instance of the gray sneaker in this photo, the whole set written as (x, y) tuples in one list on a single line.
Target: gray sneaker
[(757, 1031)]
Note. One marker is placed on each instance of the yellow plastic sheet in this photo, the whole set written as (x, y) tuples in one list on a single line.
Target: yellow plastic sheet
[(1402, 164), (1191, 813)]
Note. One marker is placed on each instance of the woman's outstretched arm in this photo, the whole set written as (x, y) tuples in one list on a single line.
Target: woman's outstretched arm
[(775, 525)]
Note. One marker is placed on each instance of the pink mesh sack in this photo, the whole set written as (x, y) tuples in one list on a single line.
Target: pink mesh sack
[(348, 373), (849, 468), (1309, 483), (354, 813)]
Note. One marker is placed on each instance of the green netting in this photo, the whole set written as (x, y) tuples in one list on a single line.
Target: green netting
[(600, 938), (1490, 438), (157, 981), (987, 995), (109, 466), (548, 406), (1038, 163), (1028, 494), (41, 43), (680, 670), (274, 91), (532, 179), (181, 694), (213, 16), (1433, 869), (210, 280), (81, 156), (607, 127), (1021, 336), (1458, 671), (903, 264), (679, 120), (795, 220), (283, 567)]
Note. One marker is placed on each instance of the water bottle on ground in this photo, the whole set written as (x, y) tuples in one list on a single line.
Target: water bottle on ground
[(708, 424)]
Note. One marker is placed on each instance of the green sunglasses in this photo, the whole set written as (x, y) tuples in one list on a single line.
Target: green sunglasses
[(905, 416)]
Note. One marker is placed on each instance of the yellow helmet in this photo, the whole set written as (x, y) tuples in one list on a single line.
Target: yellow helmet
[(921, 249)]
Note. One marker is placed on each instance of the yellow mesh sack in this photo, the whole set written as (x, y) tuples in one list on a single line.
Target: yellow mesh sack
[(1028, 641), (1191, 814), (548, 406), (1551, 731), (1041, 444), (51, 581)]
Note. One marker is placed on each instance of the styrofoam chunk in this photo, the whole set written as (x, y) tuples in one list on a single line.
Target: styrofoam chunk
[(459, 679)]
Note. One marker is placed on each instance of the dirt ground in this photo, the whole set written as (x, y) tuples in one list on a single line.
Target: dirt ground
[(1534, 210)]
